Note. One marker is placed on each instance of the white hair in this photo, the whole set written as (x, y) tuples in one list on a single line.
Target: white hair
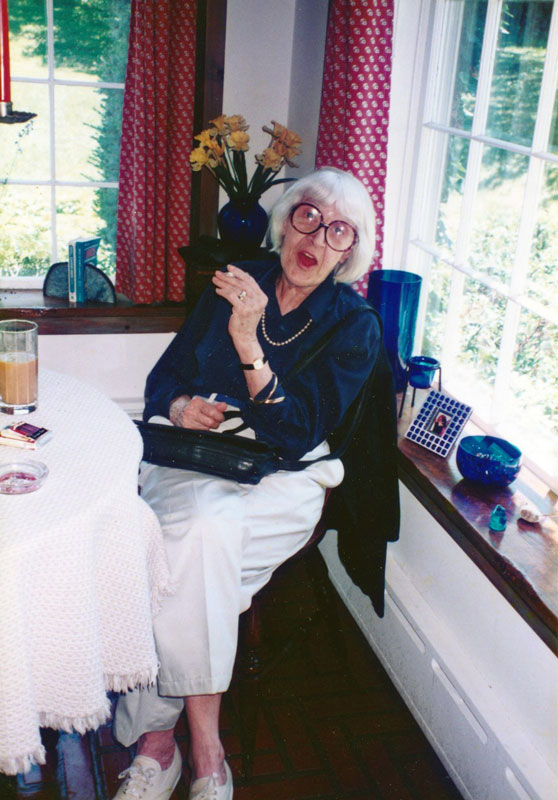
[(331, 186)]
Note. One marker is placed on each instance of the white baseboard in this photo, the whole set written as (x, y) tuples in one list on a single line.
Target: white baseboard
[(133, 406), (469, 724)]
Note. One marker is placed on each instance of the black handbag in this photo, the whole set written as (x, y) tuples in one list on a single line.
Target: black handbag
[(222, 454), (237, 457)]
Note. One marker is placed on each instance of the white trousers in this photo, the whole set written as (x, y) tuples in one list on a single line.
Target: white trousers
[(223, 542)]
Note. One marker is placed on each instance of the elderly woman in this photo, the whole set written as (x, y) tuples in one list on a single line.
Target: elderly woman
[(225, 539)]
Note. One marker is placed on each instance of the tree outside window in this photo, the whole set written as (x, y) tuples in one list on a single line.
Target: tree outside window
[(485, 223), (59, 172)]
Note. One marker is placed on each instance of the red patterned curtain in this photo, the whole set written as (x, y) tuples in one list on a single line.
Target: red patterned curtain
[(354, 112), (157, 131)]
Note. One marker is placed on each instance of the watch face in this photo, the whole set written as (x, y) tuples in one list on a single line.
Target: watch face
[(258, 363)]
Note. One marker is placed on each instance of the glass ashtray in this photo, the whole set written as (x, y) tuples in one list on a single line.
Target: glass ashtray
[(22, 477)]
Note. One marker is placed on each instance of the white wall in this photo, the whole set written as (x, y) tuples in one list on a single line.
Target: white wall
[(273, 71), (306, 79), (117, 364), (480, 683), (258, 54)]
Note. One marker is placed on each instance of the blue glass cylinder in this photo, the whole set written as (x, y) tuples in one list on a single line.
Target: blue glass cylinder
[(395, 295), (242, 223)]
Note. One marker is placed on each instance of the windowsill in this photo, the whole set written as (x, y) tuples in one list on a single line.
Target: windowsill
[(520, 561), (57, 316)]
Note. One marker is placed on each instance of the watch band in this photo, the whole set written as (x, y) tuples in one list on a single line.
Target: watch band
[(257, 364)]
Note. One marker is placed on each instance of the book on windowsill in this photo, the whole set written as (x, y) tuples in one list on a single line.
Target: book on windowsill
[(24, 435), (81, 252)]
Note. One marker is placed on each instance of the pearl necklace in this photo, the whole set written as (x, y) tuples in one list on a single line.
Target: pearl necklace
[(290, 339)]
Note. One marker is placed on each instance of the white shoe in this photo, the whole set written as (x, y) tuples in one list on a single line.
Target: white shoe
[(208, 789), (145, 779)]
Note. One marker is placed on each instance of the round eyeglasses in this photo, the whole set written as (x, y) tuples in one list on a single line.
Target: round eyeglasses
[(339, 235)]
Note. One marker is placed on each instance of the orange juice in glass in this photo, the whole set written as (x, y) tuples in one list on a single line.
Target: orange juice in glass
[(18, 366)]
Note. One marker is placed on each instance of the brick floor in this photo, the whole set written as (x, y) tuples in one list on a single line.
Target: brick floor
[(331, 726)]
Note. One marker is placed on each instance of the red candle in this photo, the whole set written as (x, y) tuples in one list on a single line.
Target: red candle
[(5, 95)]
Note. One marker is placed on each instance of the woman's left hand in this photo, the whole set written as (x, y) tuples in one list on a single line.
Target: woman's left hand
[(247, 301)]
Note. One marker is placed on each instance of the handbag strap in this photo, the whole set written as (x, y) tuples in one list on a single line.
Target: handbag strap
[(359, 404), (314, 351), (361, 400), (307, 358)]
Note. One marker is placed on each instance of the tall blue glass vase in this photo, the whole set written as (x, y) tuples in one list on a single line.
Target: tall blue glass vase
[(242, 223), (395, 295)]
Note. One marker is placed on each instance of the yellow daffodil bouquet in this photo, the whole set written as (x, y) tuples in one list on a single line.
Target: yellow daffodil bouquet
[(222, 148)]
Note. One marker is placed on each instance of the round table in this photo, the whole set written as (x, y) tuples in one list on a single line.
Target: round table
[(83, 570)]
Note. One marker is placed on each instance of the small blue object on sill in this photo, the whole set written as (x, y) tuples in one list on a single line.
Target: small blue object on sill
[(488, 460), (498, 519)]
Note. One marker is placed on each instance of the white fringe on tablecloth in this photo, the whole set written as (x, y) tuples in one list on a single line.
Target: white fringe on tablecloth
[(11, 766)]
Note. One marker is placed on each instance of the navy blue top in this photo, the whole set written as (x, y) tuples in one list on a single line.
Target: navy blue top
[(201, 359)]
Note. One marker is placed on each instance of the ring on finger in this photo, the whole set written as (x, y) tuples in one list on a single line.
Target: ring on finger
[(242, 295)]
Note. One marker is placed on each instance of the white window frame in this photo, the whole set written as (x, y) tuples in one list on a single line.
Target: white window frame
[(30, 282), (429, 26)]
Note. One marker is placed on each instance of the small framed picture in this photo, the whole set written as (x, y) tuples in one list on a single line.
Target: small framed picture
[(439, 423)]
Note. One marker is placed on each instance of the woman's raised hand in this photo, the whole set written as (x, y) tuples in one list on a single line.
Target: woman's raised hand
[(247, 301), (196, 413)]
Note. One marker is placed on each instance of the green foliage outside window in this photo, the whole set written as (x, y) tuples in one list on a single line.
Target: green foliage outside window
[(90, 44), (514, 98)]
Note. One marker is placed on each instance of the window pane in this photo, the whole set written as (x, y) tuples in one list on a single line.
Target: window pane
[(90, 45), (436, 309), (92, 37), (542, 282), (532, 413), (480, 332), (467, 73), (87, 212), (24, 230), (497, 212), (449, 213), (24, 154), (27, 43), (518, 69), (88, 124)]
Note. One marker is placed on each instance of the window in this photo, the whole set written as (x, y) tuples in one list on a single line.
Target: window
[(484, 224), (59, 171)]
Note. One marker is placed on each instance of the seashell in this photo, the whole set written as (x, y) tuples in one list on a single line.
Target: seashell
[(530, 513)]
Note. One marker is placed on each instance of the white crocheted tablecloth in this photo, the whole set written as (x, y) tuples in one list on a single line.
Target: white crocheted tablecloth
[(82, 571)]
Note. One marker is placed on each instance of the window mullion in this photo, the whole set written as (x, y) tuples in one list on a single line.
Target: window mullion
[(447, 24), (531, 200), (549, 87), (512, 147), (505, 363), (52, 148), (474, 161), (486, 66), (433, 146)]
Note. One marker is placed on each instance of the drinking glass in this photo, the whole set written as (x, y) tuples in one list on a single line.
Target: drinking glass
[(18, 366)]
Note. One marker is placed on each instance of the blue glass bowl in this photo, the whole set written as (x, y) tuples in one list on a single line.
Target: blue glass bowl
[(488, 460), (422, 370)]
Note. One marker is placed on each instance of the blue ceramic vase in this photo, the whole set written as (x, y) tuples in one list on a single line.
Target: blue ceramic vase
[(242, 223), (395, 295)]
